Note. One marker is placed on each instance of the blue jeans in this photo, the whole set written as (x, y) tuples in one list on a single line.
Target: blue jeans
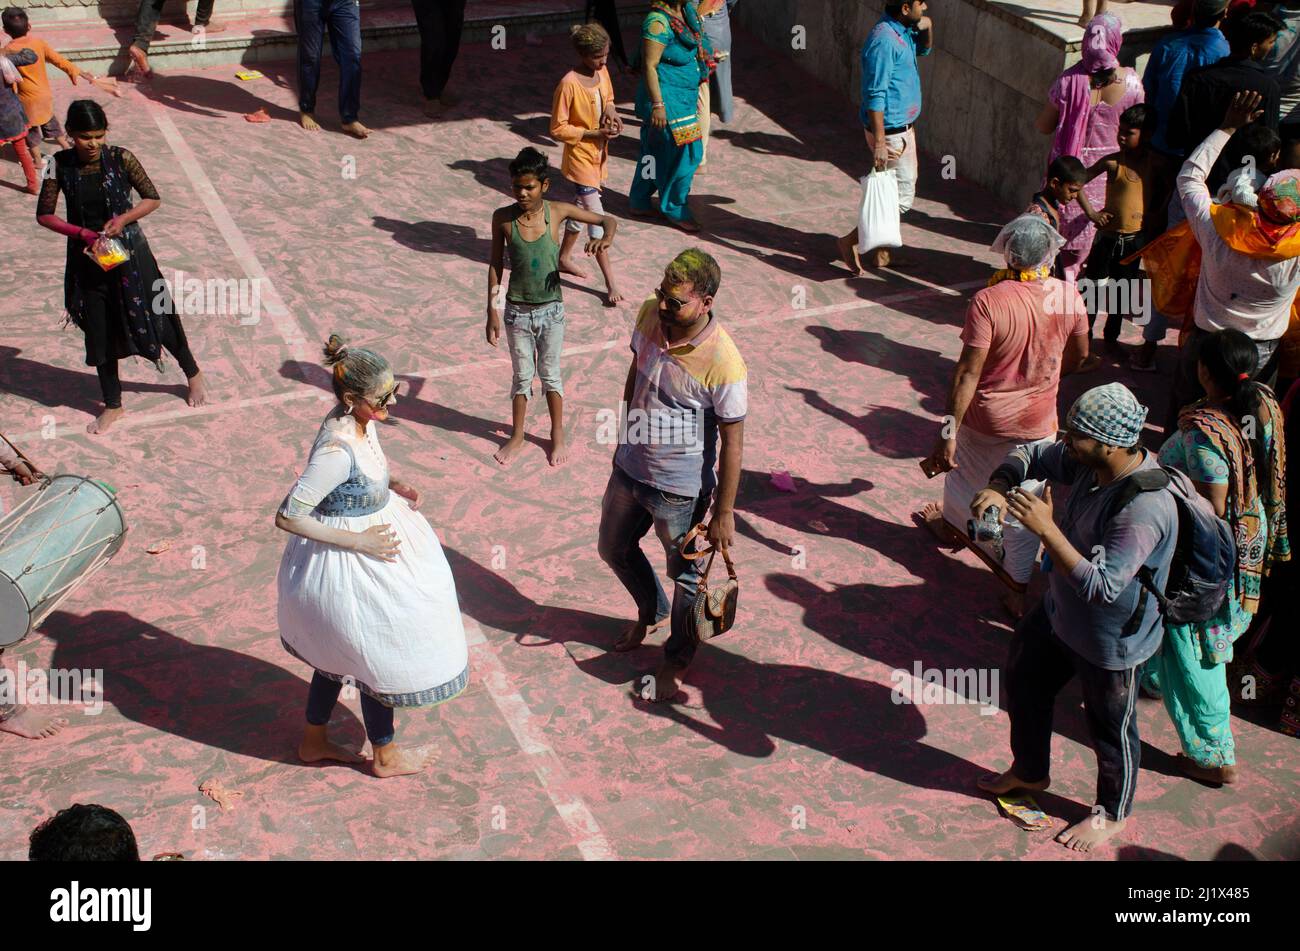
[(717, 27), (535, 333), (628, 511), (342, 18), (324, 693)]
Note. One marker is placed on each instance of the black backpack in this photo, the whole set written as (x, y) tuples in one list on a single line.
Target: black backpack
[(1205, 554)]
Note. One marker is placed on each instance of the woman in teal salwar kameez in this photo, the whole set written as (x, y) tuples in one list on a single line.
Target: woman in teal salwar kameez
[(675, 60), (1231, 445)]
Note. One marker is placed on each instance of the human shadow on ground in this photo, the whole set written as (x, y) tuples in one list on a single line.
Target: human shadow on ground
[(928, 371), (411, 409), (891, 432), (52, 386), (212, 696)]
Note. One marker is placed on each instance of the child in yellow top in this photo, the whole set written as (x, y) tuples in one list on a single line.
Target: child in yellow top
[(583, 117)]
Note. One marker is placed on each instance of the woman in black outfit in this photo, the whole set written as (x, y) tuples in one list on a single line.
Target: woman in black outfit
[(127, 311)]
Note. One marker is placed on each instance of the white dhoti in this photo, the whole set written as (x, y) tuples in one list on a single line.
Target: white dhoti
[(977, 456)]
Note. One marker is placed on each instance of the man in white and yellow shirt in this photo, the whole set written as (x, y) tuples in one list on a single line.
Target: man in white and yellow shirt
[(685, 388)]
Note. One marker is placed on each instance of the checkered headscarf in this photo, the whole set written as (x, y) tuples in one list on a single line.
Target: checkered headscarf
[(1109, 414)]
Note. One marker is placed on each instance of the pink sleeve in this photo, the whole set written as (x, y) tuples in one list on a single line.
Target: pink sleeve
[(1056, 95), (978, 329)]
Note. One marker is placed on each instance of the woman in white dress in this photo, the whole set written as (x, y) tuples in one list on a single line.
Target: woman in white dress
[(365, 593)]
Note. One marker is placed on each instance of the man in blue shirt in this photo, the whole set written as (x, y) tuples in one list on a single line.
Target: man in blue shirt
[(1199, 45), (1175, 55), (1097, 621), (891, 103)]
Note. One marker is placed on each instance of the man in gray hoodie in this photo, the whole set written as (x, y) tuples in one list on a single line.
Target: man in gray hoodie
[(1096, 621)]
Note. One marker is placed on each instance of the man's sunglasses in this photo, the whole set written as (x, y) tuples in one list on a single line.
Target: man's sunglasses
[(673, 303)]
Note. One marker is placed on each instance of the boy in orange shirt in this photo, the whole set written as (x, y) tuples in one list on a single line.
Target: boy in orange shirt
[(34, 89), (583, 117)]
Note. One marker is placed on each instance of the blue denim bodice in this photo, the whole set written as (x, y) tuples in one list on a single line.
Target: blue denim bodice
[(359, 495)]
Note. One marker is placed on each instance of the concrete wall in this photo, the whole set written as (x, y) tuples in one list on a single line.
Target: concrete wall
[(982, 86)]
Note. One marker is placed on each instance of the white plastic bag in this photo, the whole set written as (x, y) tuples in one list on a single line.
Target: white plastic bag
[(878, 215)]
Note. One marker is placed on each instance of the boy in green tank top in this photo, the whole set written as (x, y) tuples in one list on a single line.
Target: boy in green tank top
[(532, 302)]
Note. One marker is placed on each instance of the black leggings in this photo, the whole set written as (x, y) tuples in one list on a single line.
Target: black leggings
[(175, 344)]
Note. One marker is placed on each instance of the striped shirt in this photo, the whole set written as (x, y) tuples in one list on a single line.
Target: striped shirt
[(669, 433)]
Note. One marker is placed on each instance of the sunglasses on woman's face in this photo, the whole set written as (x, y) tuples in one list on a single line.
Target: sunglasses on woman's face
[(673, 303), (386, 398)]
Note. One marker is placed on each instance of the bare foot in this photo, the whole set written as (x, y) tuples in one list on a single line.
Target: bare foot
[(931, 516), (315, 748), (104, 421), (666, 685), (139, 59), (198, 390), (878, 258), (32, 725), (635, 634), (209, 28), (356, 130), (1004, 783), (390, 761), (643, 213), (433, 108), (1215, 776), (689, 225), (849, 255), (612, 296), (1087, 834), (558, 454), (507, 452), (568, 266), (308, 122)]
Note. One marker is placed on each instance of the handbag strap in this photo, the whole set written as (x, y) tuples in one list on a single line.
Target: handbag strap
[(696, 532)]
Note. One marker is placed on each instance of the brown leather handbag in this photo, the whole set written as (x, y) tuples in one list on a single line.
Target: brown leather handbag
[(714, 611)]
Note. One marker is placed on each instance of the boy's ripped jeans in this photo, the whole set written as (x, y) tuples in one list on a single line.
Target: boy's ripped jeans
[(536, 336)]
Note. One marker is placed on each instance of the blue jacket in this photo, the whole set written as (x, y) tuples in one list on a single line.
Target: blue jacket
[(890, 81), (1174, 55)]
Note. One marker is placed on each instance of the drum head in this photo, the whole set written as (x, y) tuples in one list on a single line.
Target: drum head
[(15, 613)]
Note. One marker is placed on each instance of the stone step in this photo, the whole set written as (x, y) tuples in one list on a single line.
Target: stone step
[(262, 31)]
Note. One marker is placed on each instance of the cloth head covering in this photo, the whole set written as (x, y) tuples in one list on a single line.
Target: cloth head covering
[(1279, 199), (1028, 243), (1102, 39), (1109, 414)]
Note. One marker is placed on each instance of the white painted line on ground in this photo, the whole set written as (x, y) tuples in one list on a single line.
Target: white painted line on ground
[(130, 421), (283, 321), (550, 772)]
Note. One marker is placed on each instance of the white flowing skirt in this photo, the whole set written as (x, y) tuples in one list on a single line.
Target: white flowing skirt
[(392, 628)]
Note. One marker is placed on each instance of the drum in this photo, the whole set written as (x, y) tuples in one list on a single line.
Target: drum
[(50, 543)]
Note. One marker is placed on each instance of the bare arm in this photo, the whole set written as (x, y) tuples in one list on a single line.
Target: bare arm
[(567, 211), (722, 527), (651, 52), (1076, 351), (1046, 121), (965, 380), (495, 291)]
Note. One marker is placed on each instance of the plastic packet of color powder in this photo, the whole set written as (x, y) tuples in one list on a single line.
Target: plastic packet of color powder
[(1024, 811)]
